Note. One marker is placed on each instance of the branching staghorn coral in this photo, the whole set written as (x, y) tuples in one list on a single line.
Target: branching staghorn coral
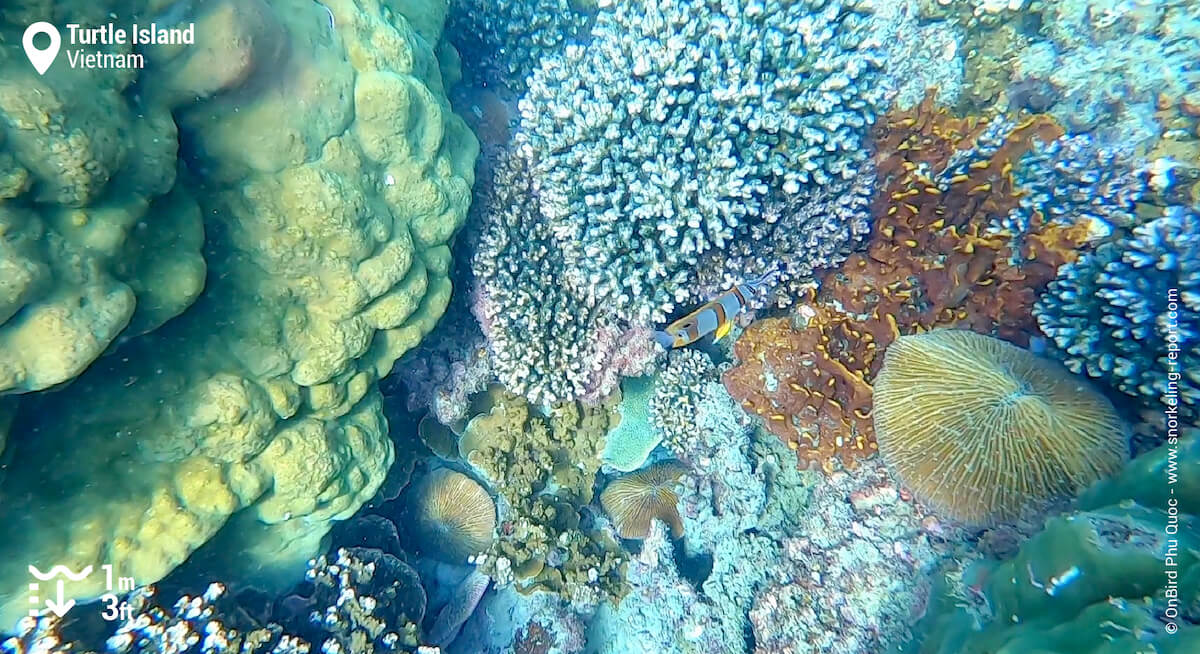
[(651, 164), (550, 337), (662, 137), (503, 41)]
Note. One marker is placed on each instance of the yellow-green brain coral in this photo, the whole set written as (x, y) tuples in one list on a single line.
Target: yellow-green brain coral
[(222, 330), (981, 429)]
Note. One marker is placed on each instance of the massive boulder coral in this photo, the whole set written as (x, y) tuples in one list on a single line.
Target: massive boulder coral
[(334, 175), (99, 240)]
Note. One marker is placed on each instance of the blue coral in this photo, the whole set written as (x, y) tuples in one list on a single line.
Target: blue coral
[(1118, 312), (1074, 179)]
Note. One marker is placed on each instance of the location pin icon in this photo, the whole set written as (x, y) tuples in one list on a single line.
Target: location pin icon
[(41, 59)]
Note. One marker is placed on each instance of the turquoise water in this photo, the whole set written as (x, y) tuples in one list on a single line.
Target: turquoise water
[(604, 326)]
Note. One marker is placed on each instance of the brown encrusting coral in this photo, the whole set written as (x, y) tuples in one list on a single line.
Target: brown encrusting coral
[(941, 254), (544, 467), (809, 385), (981, 429)]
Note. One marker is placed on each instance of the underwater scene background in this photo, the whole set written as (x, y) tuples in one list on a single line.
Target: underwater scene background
[(600, 326)]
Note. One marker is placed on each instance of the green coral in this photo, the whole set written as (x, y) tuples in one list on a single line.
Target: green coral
[(1105, 579), (629, 445), (235, 433), (543, 466)]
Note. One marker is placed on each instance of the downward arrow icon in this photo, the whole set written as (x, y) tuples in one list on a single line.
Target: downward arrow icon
[(60, 607)]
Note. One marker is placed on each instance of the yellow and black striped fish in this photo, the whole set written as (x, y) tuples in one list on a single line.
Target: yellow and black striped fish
[(715, 317)]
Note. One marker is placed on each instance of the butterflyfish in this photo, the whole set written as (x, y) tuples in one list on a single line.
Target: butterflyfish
[(714, 317)]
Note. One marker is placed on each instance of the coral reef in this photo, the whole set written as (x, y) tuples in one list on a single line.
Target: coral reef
[(462, 604), (1117, 575), (508, 622), (854, 573), (329, 190), (549, 338), (661, 138), (1077, 179), (100, 241), (446, 369), (646, 154), (1129, 313), (366, 600), (923, 52), (835, 569), (937, 256), (678, 393), (799, 236), (628, 445), (503, 41), (1108, 61), (543, 468), (812, 396), (357, 602), (982, 430), (453, 515), (636, 500)]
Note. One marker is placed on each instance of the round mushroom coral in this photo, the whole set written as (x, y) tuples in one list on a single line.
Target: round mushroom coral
[(454, 516), (635, 500), (983, 430)]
